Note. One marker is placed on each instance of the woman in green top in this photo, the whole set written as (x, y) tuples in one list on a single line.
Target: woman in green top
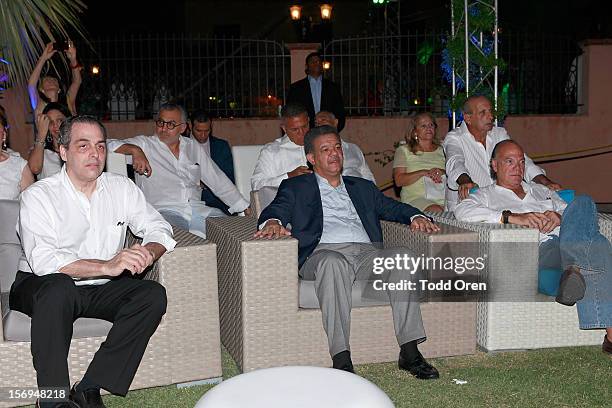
[(418, 166)]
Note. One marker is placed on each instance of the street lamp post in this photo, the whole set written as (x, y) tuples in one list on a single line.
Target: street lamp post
[(306, 29), (326, 11)]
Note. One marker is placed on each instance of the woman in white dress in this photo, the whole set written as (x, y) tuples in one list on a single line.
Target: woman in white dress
[(44, 159), (15, 175)]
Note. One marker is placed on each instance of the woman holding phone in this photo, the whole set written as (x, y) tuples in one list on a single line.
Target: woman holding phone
[(48, 88)]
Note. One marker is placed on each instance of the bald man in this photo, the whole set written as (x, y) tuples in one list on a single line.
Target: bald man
[(569, 234), (468, 151)]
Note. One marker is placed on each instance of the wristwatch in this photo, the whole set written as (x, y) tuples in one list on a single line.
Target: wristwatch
[(505, 215)]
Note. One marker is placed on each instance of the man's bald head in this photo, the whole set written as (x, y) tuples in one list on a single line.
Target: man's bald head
[(501, 146), (469, 105), (508, 163)]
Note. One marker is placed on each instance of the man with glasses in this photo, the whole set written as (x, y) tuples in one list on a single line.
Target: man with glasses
[(171, 168), (285, 158)]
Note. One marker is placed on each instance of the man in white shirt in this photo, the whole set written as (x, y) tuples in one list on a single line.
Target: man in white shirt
[(569, 234), (72, 227), (285, 158), (468, 153), (171, 168)]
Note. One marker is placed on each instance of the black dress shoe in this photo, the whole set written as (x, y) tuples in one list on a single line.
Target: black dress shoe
[(606, 346), (87, 398), (342, 361), (418, 367), (67, 404), (63, 404), (571, 287)]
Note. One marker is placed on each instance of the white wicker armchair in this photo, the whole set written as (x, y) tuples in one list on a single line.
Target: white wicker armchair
[(185, 347), (505, 325), (263, 325)]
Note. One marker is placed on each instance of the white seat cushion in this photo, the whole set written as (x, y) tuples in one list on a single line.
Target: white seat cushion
[(245, 159), (16, 327)]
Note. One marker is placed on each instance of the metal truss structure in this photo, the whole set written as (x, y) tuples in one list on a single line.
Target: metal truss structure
[(392, 62), (466, 75)]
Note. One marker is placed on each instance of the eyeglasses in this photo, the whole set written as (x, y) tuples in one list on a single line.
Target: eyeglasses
[(170, 125)]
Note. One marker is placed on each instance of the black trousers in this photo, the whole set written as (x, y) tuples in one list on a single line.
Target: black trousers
[(54, 302)]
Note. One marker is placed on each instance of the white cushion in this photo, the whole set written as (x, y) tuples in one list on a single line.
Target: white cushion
[(10, 247), (16, 327), (116, 163), (245, 159)]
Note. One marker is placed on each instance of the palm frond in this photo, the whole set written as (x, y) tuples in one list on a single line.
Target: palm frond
[(27, 25)]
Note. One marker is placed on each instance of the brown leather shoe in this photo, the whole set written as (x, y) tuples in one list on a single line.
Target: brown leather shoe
[(571, 287), (606, 347)]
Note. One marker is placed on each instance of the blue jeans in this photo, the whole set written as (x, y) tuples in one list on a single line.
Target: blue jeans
[(581, 244)]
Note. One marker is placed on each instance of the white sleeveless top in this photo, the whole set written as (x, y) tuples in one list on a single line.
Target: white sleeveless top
[(52, 164), (10, 177)]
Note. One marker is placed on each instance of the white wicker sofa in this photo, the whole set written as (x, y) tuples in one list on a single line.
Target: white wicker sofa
[(506, 325)]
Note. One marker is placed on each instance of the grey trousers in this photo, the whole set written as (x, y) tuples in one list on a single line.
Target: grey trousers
[(335, 268)]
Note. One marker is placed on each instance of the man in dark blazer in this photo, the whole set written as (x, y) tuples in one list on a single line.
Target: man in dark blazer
[(336, 221), (218, 149), (317, 93)]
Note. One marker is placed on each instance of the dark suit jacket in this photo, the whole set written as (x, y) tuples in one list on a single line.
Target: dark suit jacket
[(331, 99), (221, 153), (298, 202)]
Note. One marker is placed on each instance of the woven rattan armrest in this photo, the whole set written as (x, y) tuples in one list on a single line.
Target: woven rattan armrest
[(259, 272), (191, 335)]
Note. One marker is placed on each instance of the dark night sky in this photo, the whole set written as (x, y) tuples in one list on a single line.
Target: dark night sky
[(580, 18)]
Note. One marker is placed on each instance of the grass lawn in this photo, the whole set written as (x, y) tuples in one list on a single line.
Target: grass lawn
[(564, 377)]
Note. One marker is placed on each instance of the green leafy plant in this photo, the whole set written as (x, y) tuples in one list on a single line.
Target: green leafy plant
[(25, 27)]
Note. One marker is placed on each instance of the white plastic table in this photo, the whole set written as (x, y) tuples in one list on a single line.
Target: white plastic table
[(296, 387)]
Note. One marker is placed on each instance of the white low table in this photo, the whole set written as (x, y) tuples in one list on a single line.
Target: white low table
[(296, 387)]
